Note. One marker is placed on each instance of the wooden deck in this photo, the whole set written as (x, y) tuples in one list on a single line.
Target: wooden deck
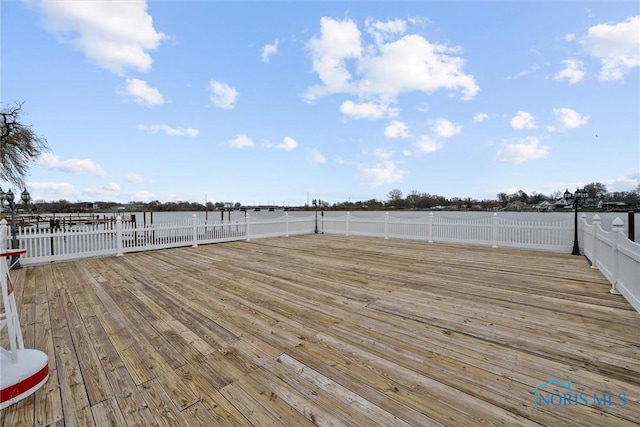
[(327, 330)]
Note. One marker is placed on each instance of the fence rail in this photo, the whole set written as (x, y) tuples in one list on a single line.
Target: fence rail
[(611, 252), (617, 257), (490, 230)]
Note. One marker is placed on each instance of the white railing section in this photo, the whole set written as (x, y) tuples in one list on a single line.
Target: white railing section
[(45, 245), (490, 230), (617, 257), (611, 252), (284, 225), (118, 238)]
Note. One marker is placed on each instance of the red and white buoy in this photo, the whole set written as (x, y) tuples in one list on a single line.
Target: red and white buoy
[(22, 370)]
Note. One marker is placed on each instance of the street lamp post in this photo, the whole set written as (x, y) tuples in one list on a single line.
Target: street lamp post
[(10, 197), (578, 196), (315, 207)]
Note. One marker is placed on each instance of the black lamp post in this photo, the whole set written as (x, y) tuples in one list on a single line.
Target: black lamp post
[(10, 197), (578, 196), (315, 206)]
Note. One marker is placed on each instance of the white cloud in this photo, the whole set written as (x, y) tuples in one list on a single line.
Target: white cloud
[(142, 93), (168, 130), (317, 156), (397, 129), (383, 153), (116, 35), (288, 144), (531, 70), (524, 150), (445, 128), (240, 141), (383, 173), (112, 187), (269, 50), (426, 144), (413, 64), (383, 70), (141, 195), (338, 42), (223, 95), (616, 46), (382, 31), (569, 119), (367, 110), (573, 71), (423, 107), (623, 183), (135, 178), (74, 166), (480, 117), (63, 189), (523, 120)]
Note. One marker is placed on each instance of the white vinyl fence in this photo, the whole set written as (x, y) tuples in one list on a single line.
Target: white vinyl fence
[(611, 252), (617, 257), (487, 230), (118, 238)]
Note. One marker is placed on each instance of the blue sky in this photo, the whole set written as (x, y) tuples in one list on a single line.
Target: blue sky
[(266, 102)]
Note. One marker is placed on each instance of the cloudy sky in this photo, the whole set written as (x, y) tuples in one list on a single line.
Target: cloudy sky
[(267, 102)]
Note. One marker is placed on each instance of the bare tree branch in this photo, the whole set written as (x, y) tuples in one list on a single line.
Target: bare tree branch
[(19, 145)]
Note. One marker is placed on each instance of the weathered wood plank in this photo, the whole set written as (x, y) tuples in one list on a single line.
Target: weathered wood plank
[(222, 412), (48, 399), (161, 406), (326, 330), (107, 413), (75, 402), (130, 401)]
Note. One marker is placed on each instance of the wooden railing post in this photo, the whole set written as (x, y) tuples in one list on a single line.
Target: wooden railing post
[(119, 242), (194, 228), (596, 225), (616, 230), (495, 230), (386, 225), (430, 228)]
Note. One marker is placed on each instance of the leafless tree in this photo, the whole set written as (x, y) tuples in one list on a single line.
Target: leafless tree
[(19, 145)]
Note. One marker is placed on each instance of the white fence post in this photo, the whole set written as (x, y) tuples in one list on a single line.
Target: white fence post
[(286, 224), (495, 230), (347, 226), (617, 229), (430, 228), (594, 250), (118, 235), (581, 223), (3, 235), (247, 219), (194, 228), (386, 225)]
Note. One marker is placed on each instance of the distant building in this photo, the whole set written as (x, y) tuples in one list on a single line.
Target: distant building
[(621, 205)]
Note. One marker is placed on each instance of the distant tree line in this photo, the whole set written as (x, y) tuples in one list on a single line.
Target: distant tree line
[(395, 200)]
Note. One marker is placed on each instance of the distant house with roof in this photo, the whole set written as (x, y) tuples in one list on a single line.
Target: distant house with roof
[(552, 205), (620, 205)]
